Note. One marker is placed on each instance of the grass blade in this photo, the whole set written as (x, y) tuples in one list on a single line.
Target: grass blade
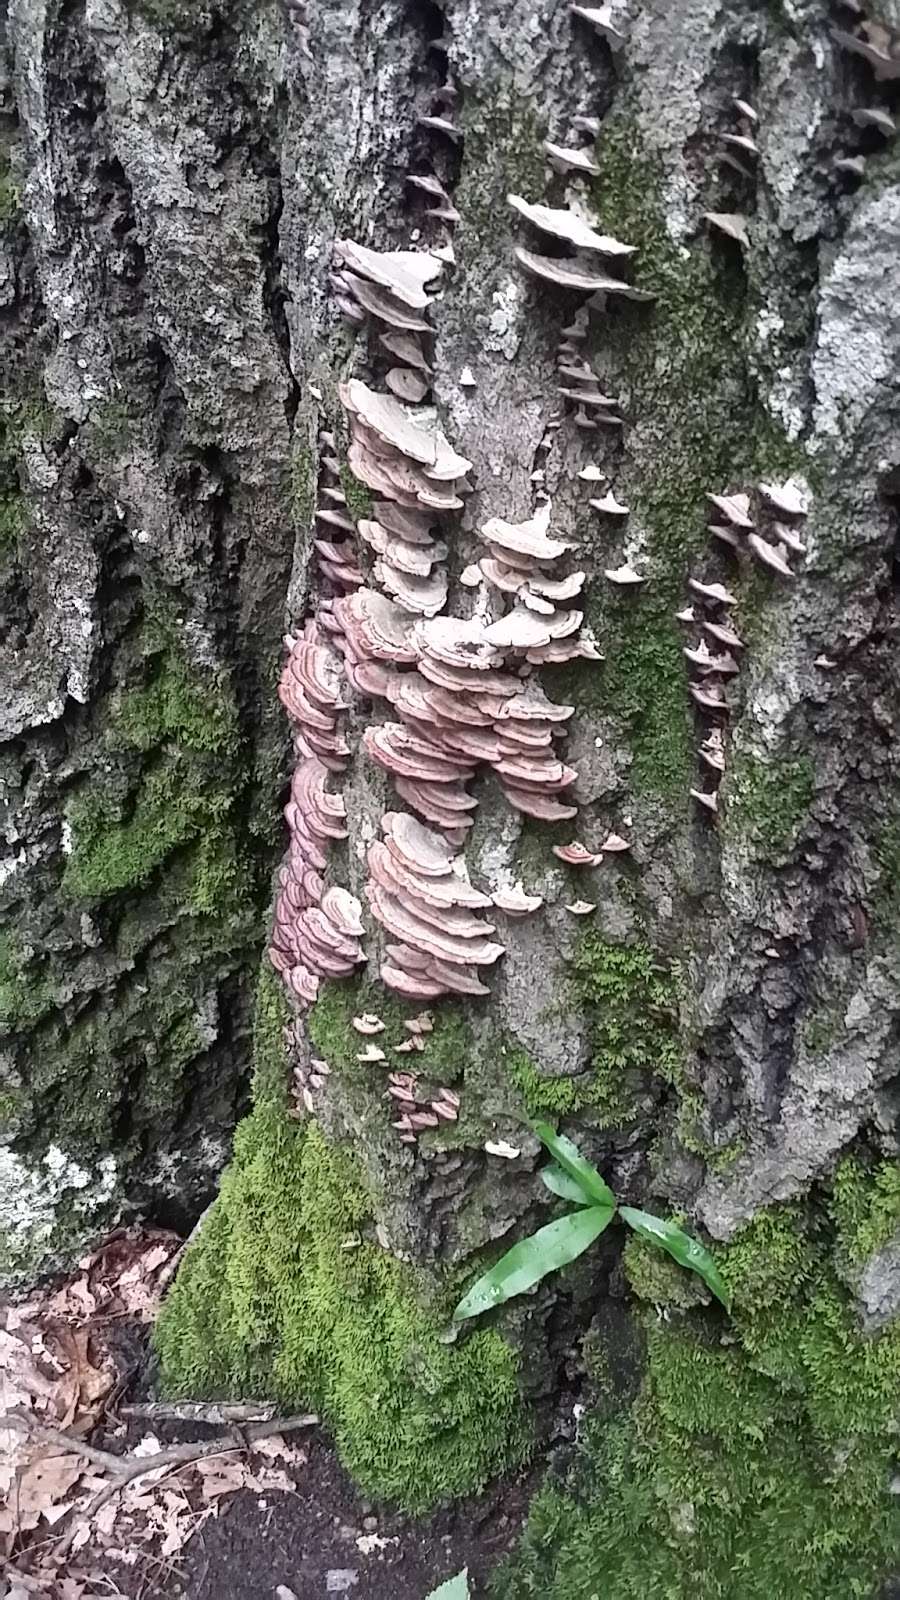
[(685, 1250), (531, 1259), (571, 1160)]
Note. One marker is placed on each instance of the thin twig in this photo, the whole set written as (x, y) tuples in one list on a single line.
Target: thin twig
[(65, 1441), (126, 1467), (193, 1411)]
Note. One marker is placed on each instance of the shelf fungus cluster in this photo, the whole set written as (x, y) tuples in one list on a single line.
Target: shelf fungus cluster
[(880, 47), (713, 651), (417, 1109), (876, 43), (317, 928), (741, 151), (581, 272)]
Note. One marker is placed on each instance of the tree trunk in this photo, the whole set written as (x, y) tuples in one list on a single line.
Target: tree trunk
[(718, 1029)]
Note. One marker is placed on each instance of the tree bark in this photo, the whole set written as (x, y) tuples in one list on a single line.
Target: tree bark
[(719, 1034)]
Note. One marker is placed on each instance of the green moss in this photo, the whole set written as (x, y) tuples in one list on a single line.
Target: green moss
[(287, 1295), (24, 996), (768, 801), (750, 1466), (823, 1027), (359, 498), (303, 488), (655, 1277), (125, 828), (120, 846), (632, 1014), (865, 1207), (502, 153)]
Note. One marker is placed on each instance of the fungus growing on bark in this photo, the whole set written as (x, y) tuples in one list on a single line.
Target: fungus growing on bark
[(614, 844), (854, 166), (569, 273), (372, 1052), (609, 506), (789, 499), (732, 223), (581, 908), (709, 801), (515, 902), (712, 750), (406, 348), (499, 1147), (592, 474), (403, 272), (625, 577), (876, 47), (789, 537), (770, 555), (441, 125), (529, 539), (406, 384), (745, 109), (368, 1023), (566, 160), (709, 696), (722, 634), (875, 117), (734, 507), (577, 855), (713, 591), (601, 19), (742, 142), (567, 225)]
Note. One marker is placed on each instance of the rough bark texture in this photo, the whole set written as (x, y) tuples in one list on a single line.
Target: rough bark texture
[(723, 1040)]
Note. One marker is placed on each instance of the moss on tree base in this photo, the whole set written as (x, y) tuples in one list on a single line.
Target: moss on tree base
[(286, 1295), (757, 1459)]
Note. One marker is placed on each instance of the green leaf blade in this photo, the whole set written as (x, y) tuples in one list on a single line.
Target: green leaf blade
[(569, 1157), (454, 1589), (552, 1247), (559, 1182), (680, 1246)]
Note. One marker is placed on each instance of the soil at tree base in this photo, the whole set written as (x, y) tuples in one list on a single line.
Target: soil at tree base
[(298, 1540)]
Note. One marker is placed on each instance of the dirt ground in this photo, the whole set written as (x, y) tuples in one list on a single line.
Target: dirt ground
[(325, 1540)]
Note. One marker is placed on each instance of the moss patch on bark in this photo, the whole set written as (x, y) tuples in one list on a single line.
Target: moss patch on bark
[(756, 1460), (287, 1294)]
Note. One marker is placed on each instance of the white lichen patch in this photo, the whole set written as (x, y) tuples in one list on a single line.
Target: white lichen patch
[(503, 324), (49, 1206)]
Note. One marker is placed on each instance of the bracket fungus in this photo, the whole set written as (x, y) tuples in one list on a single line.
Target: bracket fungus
[(609, 506), (601, 19), (876, 45), (625, 576), (577, 855), (734, 507), (732, 223), (566, 160), (772, 556), (569, 273), (709, 800), (568, 225)]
